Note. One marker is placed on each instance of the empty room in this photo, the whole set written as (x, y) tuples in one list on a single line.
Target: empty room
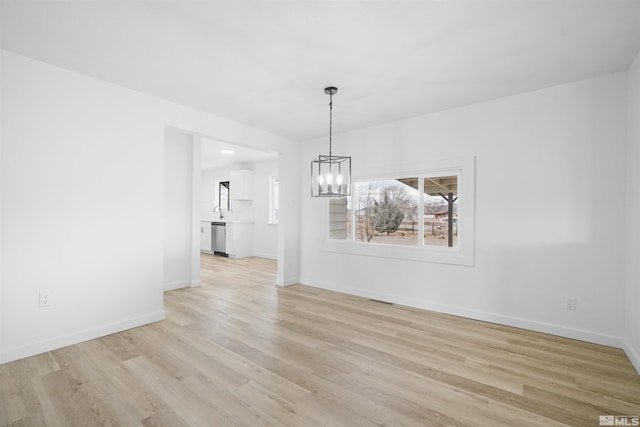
[(319, 213)]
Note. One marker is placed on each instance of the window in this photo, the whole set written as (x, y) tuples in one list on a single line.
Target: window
[(426, 215), (440, 214), (386, 212), (274, 199), (224, 201)]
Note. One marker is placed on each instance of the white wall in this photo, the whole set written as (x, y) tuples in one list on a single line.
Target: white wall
[(2, 107), (82, 176), (549, 174), (178, 229), (265, 235), (83, 203), (632, 297), (290, 224)]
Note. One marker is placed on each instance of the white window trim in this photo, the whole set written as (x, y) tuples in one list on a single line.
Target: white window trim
[(463, 254), (273, 215)]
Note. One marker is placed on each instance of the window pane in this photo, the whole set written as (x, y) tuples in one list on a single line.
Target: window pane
[(386, 211), (441, 211), (338, 218), (274, 200), (223, 196)]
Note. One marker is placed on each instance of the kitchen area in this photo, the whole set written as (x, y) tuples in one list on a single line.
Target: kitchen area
[(239, 203), (221, 202)]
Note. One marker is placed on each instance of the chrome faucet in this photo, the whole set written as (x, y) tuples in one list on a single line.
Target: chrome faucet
[(219, 210)]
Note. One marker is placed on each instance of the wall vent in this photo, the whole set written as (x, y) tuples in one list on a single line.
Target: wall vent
[(381, 302)]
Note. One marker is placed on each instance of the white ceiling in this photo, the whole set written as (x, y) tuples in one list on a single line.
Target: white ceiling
[(265, 63), (211, 158)]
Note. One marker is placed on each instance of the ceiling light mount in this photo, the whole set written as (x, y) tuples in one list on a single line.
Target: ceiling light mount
[(331, 90), (331, 175)]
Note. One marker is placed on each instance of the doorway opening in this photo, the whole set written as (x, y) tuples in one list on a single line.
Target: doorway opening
[(208, 180)]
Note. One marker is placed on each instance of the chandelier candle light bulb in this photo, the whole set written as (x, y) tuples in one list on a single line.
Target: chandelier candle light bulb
[(339, 181)]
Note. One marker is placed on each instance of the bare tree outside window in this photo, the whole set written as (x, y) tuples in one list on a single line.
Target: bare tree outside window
[(386, 212), (388, 215)]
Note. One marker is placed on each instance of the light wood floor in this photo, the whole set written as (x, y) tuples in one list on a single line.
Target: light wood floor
[(239, 351)]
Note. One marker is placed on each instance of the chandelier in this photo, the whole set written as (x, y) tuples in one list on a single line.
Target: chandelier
[(331, 175)]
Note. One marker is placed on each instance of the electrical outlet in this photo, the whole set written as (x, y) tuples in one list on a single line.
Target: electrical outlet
[(570, 303), (45, 299)]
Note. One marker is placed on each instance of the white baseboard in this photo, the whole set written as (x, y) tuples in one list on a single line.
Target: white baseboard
[(77, 337), (266, 255), (288, 282), (181, 285), (632, 354), (176, 285), (533, 325)]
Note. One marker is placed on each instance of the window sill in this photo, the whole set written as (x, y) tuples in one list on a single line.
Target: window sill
[(439, 255)]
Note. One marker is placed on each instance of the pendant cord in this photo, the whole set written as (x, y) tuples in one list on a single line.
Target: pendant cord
[(330, 119)]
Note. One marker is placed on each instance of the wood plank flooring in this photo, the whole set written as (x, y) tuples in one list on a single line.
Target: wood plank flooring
[(239, 351)]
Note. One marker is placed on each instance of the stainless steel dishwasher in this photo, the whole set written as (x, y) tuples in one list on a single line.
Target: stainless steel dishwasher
[(219, 238)]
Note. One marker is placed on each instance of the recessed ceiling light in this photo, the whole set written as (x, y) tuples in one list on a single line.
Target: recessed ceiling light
[(227, 152)]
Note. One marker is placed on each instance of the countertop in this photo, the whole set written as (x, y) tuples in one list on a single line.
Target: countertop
[(230, 221)]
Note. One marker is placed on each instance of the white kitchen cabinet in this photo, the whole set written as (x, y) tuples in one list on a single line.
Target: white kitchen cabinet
[(239, 239), (229, 246), (205, 236), (241, 184)]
